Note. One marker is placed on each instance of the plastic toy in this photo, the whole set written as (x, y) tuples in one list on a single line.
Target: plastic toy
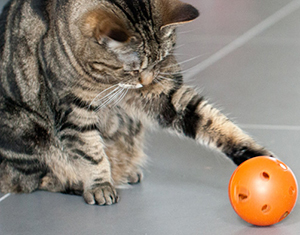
[(263, 191)]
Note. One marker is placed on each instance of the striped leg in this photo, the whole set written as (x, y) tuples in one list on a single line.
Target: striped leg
[(78, 163), (86, 156), (188, 113), (206, 124)]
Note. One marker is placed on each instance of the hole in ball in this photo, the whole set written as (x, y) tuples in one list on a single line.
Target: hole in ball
[(242, 197), (265, 208), (284, 215), (265, 176), (292, 190), (242, 193)]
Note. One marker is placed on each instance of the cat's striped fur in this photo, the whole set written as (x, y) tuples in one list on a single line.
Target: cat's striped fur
[(80, 81)]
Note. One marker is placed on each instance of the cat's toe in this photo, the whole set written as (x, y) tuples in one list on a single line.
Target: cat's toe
[(135, 177), (101, 194)]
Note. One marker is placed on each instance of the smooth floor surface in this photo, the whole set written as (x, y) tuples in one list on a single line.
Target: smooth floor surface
[(247, 62)]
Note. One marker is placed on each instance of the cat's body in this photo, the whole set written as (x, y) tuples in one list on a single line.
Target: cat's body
[(80, 81)]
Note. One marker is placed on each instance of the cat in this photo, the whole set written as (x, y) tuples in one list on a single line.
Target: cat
[(81, 81)]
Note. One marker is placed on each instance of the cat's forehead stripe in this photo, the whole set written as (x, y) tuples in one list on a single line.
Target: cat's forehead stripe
[(129, 17), (136, 11), (139, 14)]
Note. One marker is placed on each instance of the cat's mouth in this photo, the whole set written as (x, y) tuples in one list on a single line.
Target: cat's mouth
[(146, 78)]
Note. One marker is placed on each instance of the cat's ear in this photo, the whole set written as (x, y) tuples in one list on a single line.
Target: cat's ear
[(176, 12), (101, 24)]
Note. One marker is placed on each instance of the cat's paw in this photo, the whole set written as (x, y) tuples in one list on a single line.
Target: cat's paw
[(241, 154), (101, 194), (135, 177), (50, 183)]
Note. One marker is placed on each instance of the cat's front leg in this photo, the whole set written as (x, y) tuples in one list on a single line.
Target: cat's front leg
[(94, 168), (84, 167), (185, 111), (199, 120)]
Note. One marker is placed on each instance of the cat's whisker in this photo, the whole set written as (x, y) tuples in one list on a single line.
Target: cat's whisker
[(121, 97), (157, 81), (179, 46), (188, 55), (117, 94), (169, 73), (171, 66), (179, 54), (96, 98), (112, 98), (182, 62), (165, 78), (187, 31), (109, 97), (116, 97), (189, 60), (186, 71)]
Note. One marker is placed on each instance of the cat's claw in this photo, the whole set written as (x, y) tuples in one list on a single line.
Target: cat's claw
[(101, 194), (239, 155)]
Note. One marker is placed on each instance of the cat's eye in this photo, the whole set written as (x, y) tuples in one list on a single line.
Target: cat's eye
[(135, 72)]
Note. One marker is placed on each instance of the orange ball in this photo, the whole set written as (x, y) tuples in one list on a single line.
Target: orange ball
[(263, 191)]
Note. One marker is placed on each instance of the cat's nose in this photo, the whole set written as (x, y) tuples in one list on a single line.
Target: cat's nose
[(146, 78)]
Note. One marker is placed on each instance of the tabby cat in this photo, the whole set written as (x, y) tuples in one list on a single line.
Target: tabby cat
[(80, 81)]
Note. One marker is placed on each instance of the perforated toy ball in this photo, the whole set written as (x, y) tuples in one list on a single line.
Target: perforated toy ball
[(263, 191)]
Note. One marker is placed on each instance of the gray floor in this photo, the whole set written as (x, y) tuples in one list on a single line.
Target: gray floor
[(249, 66)]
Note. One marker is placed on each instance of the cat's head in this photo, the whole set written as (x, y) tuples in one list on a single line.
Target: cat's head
[(132, 39)]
